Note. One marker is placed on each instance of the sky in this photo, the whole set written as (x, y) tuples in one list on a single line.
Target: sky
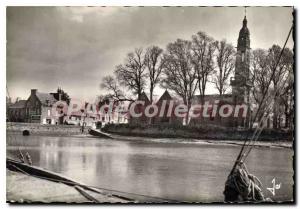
[(74, 47)]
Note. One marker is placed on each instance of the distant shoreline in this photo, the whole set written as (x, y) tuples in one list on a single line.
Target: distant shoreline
[(181, 141), (190, 132), (185, 141), (162, 134)]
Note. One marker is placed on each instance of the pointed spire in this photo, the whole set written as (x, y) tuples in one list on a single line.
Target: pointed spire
[(245, 18), (244, 36), (245, 22)]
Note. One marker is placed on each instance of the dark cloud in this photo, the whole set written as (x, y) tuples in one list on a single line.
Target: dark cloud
[(73, 47)]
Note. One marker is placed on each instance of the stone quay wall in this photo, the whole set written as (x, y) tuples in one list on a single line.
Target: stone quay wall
[(40, 129)]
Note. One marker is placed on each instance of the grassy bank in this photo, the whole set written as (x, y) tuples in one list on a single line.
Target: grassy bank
[(194, 132)]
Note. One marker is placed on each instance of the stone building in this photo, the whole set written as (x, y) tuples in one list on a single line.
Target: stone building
[(38, 108)]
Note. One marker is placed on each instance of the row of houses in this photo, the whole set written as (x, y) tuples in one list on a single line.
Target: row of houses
[(38, 109)]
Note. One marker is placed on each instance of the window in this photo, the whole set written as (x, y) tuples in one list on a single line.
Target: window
[(243, 57)]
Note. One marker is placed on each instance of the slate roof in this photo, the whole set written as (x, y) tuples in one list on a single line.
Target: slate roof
[(46, 99)]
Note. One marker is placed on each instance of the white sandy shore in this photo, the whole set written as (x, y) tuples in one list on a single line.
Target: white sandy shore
[(276, 144)]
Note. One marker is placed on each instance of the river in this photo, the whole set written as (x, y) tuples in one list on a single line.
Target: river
[(185, 172)]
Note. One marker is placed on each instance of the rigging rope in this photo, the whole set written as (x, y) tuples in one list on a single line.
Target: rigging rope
[(262, 121), (239, 183), (264, 95)]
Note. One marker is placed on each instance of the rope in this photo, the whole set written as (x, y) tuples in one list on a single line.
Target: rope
[(241, 185), (262, 121), (240, 155)]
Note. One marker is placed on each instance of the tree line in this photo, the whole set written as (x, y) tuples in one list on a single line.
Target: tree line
[(187, 66), (280, 87)]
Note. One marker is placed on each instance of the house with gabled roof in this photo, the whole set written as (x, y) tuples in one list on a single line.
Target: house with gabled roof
[(140, 109), (38, 108), (166, 107)]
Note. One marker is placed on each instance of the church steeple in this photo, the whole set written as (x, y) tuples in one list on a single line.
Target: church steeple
[(244, 37), (242, 58), (240, 83)]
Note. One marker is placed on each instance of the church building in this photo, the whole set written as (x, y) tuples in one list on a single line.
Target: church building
[(240, 95)]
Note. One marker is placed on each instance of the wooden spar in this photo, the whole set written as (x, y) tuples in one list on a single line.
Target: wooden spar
[(99, 133), (38, 172), (86, 195), (14, 165)]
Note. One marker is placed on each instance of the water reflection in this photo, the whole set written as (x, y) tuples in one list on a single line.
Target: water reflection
[(175, 171)]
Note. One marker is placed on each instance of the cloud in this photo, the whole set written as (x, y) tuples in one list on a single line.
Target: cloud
[(74, 47)]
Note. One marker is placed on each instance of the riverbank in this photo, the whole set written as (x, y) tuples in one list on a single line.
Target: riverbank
[(195, 132), (269, 144), (160, 134)]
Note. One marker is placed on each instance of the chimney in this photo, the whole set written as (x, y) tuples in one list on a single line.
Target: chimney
[(33, 91)]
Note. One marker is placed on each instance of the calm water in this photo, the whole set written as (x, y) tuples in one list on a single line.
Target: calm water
[(185, 172)]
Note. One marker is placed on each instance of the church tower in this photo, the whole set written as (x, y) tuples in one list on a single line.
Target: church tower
[(240, 82)]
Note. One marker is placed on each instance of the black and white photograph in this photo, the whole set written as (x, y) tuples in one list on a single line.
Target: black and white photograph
[(150, 104)]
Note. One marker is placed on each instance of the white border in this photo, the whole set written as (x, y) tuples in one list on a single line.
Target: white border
[(5, 3)]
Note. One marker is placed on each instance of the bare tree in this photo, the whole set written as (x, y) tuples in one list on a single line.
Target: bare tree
[(280, 90), (180, 76), (225, 57), (110, 84), (154, 64), (131, 74), (281, 71), (203, 48), (285, 84), (260, 76), (287, 100)]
